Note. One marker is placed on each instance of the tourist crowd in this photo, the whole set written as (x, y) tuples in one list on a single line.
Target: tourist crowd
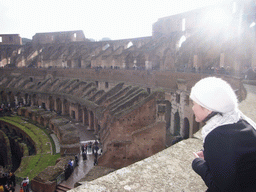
[(87, 148), (7, 182)]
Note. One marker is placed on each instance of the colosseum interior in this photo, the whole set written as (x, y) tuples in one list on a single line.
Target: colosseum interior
[(132, 93)]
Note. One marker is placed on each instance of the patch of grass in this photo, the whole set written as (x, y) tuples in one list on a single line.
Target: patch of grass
[(31, 166)]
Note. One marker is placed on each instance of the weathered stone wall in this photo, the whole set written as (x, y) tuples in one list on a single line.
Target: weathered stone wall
[(132, 136), (43, 186), (169, 170), (10, 39)]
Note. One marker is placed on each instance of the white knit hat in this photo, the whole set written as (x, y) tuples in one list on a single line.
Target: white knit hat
[(214, 94)]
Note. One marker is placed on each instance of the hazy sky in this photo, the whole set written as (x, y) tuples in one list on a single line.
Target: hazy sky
[(116, 19)]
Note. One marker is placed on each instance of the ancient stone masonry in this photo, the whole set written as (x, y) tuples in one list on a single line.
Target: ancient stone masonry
[(131, 118), (133, 93), (198, 41), (82, 101)]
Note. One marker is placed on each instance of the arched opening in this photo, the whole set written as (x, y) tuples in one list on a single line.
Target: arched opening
[(182, 40), (105, 47), (185, 131), (140, 61), (58, 106), (176, 124), (129, 45), (66, 107), (11, 100), (168, 115), (129, 61), (51, 101), (26, 99), (34, 100)]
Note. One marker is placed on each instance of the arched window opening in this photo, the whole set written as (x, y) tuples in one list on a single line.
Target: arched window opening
[(105, 47), (129, 45), (182, 40)]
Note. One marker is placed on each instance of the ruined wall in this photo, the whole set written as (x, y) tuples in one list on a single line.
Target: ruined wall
[(10, 39), (58, 37), (106, 113)]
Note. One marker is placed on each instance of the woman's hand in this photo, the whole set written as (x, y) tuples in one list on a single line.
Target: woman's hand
[(199, 154)]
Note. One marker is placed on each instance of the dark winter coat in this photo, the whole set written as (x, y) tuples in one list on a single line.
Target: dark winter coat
[(229, 158)]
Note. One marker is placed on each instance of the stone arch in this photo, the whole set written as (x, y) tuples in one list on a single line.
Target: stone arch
[(181, 41), (130, 44), (65, 107), (34, 100), (58, 105), (106, 46), (51, 103), (155, 60), (11, 99), (140, 61), (129, 61), (168, 60), (177, 123), (19, 98), (185, 130)]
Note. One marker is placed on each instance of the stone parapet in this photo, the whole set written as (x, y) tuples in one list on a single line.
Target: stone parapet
[(168, 170)]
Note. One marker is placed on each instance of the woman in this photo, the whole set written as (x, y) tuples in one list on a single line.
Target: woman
[(228, 161)]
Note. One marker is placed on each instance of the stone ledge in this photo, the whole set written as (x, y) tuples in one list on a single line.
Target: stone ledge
[(168, 170)]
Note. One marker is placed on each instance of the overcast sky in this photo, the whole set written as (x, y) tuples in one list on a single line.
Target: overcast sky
[(115, 19)]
